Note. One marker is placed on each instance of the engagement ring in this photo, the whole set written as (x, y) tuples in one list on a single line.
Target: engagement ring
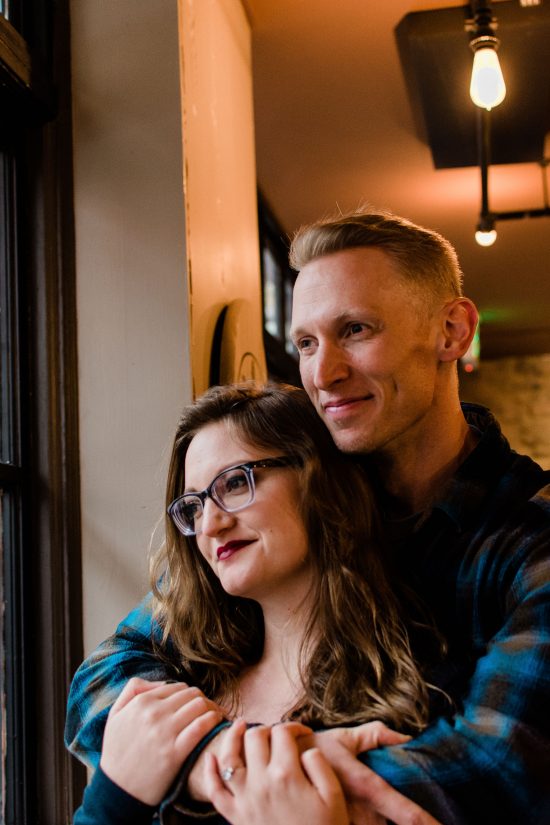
[(227, 774)]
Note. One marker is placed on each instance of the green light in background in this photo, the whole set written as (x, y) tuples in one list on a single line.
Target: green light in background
[(470, 359), (493, 315)]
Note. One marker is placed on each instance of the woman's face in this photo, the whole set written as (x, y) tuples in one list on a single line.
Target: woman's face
[(261, 551)]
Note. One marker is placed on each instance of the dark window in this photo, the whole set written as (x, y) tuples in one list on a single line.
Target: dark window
[(277, 285), (39, 516), (11, 479)]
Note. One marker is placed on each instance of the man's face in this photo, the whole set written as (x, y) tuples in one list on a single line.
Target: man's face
[(368, 354)]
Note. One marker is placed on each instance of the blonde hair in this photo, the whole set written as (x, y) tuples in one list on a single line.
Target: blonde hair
[(425, 259)]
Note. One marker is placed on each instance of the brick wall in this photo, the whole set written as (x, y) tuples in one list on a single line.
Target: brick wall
[(517, 390)]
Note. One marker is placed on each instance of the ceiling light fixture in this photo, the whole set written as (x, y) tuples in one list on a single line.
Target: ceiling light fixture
[(487, 90), (435, 48), (486, 233), (487, 87)]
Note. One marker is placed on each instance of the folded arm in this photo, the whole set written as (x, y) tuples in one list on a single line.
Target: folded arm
[(100, 679), (490, 762)]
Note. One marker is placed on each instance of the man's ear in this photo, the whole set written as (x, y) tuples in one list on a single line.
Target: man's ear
[(458, 322)]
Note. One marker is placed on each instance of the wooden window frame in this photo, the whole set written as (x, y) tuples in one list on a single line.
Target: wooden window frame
[(43, 571)]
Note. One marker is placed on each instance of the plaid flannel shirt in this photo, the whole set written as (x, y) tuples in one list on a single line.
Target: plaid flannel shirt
[(481, 562)]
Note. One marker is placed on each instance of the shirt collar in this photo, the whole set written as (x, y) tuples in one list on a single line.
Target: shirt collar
[(480, 472)]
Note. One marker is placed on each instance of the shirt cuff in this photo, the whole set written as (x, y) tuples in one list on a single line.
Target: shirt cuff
[(178, 797), (105, 801)]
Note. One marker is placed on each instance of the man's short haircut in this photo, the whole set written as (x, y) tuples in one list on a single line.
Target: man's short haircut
[(424, 257)]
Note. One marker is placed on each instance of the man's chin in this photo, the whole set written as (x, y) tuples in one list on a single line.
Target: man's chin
[(351, 441)]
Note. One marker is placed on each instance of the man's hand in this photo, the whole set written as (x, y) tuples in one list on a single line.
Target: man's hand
[(150, 731), (370, 799)]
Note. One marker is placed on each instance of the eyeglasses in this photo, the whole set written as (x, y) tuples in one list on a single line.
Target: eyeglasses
[(233, 489)]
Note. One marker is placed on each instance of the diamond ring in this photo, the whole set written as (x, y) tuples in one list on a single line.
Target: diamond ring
[(227, 774)]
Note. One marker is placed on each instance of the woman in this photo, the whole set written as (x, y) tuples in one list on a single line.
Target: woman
[(272, 589)]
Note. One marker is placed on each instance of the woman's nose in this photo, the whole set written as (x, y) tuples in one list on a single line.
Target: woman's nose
[(214, 520)]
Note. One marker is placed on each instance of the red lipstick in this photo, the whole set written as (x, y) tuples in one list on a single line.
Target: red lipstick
[(227, 550)]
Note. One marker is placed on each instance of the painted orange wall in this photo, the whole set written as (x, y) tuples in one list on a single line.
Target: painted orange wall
[(220, 184)]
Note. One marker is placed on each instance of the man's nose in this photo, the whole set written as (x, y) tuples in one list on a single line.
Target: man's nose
[(214, 520), (330, 367)]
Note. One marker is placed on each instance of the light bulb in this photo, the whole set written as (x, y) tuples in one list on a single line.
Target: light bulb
[(487, 87), (486, 237)]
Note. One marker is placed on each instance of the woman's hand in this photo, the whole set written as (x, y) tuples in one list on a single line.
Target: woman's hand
[(259, 776), (151, 729)]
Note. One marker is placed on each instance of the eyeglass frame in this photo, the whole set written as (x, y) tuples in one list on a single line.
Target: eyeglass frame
[(248, 467)]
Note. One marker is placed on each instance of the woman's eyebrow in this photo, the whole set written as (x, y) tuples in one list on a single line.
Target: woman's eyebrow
[(231, 466)]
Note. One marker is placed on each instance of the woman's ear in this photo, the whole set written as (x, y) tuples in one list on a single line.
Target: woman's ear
[(458, 324)]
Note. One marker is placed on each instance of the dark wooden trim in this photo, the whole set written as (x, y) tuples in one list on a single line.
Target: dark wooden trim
[(14, 53), (27, 91), (59, 780), (49, 610), (10, 475)]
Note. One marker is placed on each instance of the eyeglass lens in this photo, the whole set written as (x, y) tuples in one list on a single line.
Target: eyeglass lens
[(231, 490)]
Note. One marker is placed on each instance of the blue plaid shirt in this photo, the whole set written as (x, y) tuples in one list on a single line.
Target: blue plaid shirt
[(481, 562)]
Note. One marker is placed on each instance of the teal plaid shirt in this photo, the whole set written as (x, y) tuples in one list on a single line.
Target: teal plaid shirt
[(481, 562)]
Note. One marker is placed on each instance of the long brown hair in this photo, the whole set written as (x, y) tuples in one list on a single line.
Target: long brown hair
[(358, 664)]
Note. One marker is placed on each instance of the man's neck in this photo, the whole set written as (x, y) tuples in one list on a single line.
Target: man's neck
[(413, 477)]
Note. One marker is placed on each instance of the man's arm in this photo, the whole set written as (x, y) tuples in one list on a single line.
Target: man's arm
[(491, 761), (101, 677)]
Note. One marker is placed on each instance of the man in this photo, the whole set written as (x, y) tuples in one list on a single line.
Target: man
[(379, 321)]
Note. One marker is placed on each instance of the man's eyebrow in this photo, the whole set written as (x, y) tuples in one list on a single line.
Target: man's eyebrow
[(338, 320), (295, 332)]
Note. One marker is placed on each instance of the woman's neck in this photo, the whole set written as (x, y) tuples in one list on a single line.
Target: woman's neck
[(271, 688)]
